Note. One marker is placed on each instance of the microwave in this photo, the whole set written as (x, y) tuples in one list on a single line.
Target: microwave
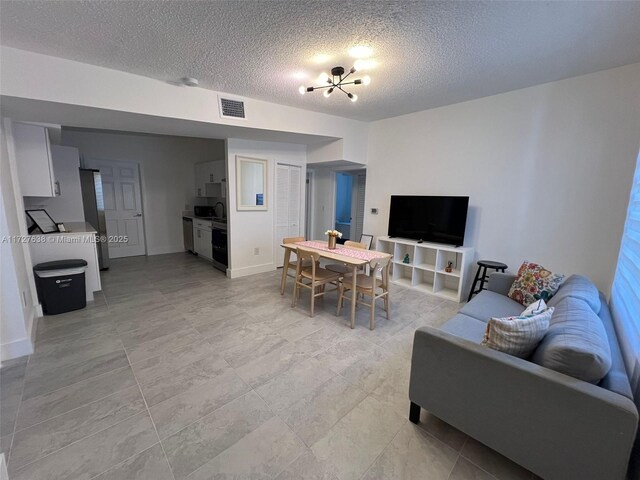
[(203, 211)]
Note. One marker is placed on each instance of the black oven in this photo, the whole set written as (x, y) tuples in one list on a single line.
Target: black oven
[(219, 246)]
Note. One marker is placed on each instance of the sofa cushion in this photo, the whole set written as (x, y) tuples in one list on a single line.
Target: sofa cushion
[(517, 336), (576, 343), (465, 327), (578, 286), (487, 304), (616, 379)]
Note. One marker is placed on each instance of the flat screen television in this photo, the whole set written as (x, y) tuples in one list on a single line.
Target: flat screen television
[(429, 218)]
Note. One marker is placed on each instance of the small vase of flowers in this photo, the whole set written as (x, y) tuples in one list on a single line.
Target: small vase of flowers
[(333, 235)]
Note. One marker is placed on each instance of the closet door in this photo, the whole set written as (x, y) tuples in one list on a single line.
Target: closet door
[(289, 203)]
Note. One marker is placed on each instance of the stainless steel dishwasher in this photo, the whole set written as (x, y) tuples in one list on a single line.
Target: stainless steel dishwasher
[(187, 234)]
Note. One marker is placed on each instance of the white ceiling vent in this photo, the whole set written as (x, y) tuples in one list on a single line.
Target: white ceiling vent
[(231, 107)]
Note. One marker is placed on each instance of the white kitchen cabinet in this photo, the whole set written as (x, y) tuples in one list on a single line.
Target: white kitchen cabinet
[(202, 242), (201, 176), (33, 157), (211, 179)]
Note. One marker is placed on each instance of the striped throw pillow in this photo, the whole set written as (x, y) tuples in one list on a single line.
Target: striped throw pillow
[(517, 336)]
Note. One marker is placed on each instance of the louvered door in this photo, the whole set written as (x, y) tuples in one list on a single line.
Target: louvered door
[(289, 203)]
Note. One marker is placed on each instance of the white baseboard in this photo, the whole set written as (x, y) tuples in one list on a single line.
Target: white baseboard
[(164, 249), (23, 346), (16, 349), (246, 271), (4, 475)]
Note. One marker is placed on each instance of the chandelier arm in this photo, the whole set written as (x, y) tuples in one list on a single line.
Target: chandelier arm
[(347, 94), (345, 77)]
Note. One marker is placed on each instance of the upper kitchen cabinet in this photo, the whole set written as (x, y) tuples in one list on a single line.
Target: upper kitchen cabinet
[(211, 179), (33, 157)]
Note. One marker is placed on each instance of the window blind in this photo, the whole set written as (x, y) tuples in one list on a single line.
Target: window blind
[(625, 292)]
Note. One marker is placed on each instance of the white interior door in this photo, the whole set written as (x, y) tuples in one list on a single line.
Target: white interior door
[(122, 206), (289, 201)]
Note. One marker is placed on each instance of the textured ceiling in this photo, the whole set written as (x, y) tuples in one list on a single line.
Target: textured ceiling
[(428, 54)]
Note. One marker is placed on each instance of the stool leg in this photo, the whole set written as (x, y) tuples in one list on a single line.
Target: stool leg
[(483, 279), (473, 285)]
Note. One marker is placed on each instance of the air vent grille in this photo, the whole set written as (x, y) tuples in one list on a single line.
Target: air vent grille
[(231, 108)]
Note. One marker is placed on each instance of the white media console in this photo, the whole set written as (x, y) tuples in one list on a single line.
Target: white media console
[(426, 268)]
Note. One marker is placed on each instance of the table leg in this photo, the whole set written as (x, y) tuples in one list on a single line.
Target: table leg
[(285, 269), (354, 296)]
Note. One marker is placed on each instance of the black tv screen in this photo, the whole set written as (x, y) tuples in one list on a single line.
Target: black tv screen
[(429, 218)]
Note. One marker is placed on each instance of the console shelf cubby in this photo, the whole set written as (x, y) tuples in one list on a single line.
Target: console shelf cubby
[(426, 268)]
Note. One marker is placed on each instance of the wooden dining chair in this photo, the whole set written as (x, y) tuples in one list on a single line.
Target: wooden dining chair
[(288, 264), (369, 286), (312, 277), (342, 267)]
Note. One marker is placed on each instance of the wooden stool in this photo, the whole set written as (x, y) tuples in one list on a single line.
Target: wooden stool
[(482, 278)]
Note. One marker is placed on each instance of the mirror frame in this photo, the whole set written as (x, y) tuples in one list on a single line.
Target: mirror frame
[(239, 206)]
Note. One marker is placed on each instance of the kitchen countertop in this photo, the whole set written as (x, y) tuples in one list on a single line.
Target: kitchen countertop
[(213, 219), (73, 228)]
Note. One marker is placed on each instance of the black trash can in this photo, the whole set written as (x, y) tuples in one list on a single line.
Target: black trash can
[(61, 287)]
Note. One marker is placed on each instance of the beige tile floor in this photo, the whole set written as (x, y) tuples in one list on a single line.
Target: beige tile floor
[(177, 372)]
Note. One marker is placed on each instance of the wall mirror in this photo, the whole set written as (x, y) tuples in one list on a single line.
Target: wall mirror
[(251, 183)]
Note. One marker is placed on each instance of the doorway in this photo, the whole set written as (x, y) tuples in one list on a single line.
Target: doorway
[(349, 211), (122, 206)]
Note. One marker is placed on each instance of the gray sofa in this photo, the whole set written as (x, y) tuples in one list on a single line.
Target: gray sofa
[(555, 425)]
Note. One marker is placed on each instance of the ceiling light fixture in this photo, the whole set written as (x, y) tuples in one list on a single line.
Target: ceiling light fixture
[(337, 80)]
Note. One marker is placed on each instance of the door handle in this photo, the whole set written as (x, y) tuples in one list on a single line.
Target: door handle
[(138, 215)]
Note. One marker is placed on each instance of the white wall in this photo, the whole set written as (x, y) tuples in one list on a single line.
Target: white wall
[(167, 176), (250, 230), (42, 77), (17, 291), (547, 168)]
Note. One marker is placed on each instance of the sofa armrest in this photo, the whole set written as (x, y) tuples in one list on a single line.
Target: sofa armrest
[(500, 282), (555, 425)]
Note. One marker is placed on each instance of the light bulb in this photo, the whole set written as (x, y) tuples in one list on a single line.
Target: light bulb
[(362, 64), (327, 93), (360, 51), (323, 78), (302, 89), (366, 80), (354, 98)]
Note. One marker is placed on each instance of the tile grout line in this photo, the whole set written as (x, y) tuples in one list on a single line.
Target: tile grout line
[(291, 429), (15, 421), (150, 417), (385, 447), (75, 383), (73, 409)]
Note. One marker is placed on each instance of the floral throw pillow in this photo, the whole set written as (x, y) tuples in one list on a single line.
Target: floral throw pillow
[(534, 282)]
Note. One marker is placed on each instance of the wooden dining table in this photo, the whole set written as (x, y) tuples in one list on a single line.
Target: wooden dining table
[(354, 258)]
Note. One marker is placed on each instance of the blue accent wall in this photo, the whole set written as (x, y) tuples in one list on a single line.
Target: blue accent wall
[(344, 185)]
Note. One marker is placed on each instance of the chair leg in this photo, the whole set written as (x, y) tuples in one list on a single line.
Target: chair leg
[(340, 298), (295, 294), (372, 320), (386, 304), (285, 270), (313, 299), (414, 413)]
